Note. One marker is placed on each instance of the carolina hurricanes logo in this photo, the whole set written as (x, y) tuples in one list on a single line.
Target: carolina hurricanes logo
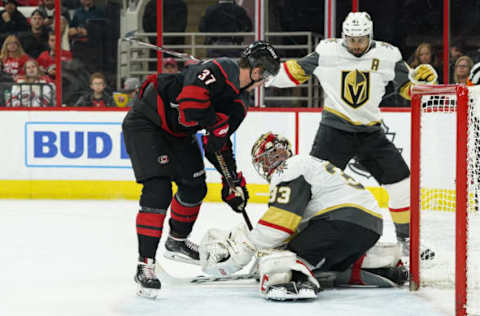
[(163, 159), (221, 131)]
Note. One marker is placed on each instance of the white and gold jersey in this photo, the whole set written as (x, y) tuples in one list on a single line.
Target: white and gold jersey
[(353, 86), (308, 188)]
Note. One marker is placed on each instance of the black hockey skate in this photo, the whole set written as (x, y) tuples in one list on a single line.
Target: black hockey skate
[(181, 249), (146, 279)]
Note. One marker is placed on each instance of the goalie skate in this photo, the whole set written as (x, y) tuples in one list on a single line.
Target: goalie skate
[(291, 291), (182, 250), (148, 285)]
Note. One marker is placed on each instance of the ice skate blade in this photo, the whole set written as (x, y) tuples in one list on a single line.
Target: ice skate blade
[(180, 258), (148, 293)]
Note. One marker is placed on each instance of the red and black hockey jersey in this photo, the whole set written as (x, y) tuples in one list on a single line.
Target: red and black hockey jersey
[(183, 103)]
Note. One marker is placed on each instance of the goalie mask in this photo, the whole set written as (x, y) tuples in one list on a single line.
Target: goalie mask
[(357, 33), (269, 153)]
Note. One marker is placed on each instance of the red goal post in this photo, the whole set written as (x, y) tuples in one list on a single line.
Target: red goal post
[(444, 178)]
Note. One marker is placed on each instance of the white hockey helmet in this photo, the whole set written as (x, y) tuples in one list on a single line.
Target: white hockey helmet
[(358, 24)]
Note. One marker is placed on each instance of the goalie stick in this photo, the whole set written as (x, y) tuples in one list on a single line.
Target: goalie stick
[(229, 179), (202, 279)]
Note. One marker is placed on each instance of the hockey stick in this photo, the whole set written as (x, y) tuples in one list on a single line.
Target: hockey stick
[(202, 279), (131, 37), (229, 179)]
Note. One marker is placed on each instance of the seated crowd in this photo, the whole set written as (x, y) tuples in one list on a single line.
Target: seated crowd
[(27, 56)]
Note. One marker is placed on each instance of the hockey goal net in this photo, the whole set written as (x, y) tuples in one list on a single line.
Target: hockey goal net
[(445, 179)]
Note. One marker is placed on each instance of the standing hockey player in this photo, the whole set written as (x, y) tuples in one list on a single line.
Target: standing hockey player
[(325, 219), (354, 72), (160, 137)]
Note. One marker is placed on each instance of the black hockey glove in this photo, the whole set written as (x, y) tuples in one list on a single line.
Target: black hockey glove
[(217, 134), (236, 199)]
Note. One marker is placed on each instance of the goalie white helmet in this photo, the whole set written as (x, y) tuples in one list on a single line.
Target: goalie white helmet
[(269, 152), (357, 25)]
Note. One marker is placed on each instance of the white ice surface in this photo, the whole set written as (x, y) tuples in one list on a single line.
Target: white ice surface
[(79, 257)]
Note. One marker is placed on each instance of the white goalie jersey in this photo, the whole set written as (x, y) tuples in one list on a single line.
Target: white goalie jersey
[(308, 188), (353, 86)]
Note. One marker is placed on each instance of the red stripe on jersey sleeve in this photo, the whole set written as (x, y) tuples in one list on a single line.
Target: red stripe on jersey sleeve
[(290, 75), (226, 77), (277, 227), (192, 104), (195, 93)]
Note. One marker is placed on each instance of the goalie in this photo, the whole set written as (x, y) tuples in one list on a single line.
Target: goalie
[(325, 221)]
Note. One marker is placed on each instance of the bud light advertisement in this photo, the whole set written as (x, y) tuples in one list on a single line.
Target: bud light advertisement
[(75, 145)]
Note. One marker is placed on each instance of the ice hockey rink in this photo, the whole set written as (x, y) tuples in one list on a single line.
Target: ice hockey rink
[(67, 258)]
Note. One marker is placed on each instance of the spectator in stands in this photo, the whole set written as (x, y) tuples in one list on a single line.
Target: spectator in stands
[(12, 56), (11, 20), (78, 26), (425, 54), (127, 95), (71, 5), (225, 16), (463, 66), (47, 7), (35, 40), (174, 20), (170, 66), (98, 97), (457, 50), (64, 29), (34, 89), (46, 60)]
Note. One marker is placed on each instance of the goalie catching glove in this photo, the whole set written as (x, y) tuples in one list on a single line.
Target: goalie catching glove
[(237, 198), (224, 253), (424, 73)]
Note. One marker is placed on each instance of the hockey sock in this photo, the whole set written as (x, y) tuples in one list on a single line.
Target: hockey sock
[(149, 230), (399, 206), (182, 217)]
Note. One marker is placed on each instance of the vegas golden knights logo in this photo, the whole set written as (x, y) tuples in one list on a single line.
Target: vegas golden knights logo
[(355, 87)]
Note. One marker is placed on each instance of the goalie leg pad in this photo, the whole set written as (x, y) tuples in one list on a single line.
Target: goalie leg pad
[(382, 255), (285, 277)]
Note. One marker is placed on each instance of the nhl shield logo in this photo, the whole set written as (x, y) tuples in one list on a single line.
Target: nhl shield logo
[(355, 87)]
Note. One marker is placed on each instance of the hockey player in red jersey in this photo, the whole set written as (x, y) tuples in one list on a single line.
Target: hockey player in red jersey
[(324, 219), (160, 138)]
